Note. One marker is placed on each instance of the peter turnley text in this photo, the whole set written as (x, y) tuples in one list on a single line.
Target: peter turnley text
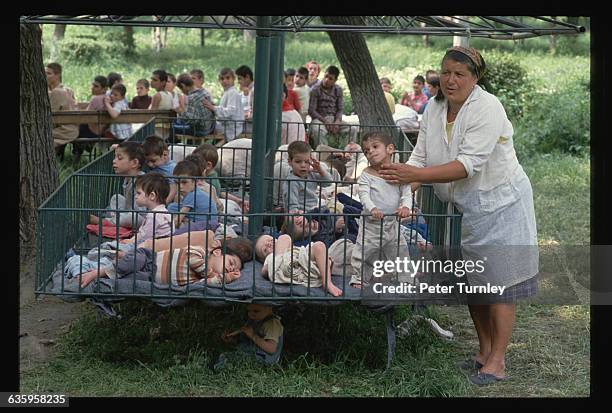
[(406, 288)]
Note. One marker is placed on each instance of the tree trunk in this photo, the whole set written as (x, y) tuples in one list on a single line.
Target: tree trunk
[(165, 42), (58, 33), (425, 37), (356, 62), (202, 37), (248, 35), (128, 32), (552, 41), (38, 172), (157, 40), (573, 39)]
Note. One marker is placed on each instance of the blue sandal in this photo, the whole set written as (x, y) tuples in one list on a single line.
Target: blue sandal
[(484, 379)]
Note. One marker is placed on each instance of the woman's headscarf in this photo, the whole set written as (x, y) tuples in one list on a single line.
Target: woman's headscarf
[(474, 56)]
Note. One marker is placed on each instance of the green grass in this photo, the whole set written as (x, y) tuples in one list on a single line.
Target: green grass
[(165, 352), (561, 190), (156, 352)]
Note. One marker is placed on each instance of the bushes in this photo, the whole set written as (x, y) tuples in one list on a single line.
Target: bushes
[(88, 48), (509, 82), (557, 121)]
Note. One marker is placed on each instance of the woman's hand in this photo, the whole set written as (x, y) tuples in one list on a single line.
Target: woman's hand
[(399, 173)]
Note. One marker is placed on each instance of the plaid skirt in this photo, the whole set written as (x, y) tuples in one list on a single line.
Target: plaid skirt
[(511, 295)]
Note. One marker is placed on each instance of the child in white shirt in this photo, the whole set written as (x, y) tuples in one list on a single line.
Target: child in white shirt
[(229, 113), (385, 202)]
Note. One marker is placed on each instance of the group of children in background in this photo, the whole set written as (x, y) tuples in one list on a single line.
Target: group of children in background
[(196, 113)]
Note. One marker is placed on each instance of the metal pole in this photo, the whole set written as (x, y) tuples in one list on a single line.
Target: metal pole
[(260, 118), (277, 78)]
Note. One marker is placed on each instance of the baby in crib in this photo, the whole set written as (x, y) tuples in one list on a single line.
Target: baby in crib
[(284, 263)]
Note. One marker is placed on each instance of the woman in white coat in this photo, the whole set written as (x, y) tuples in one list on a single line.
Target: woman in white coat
[(465, 149)]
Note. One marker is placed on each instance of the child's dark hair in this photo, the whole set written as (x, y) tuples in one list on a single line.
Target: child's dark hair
[(419, 78), (333, 70), (226, 71), (154, 182), (198, 73), (163, 76), (134, 151), (186, 168), (289, 72), (303, 71), (119, 88), (172, 77), (385, 80), (244, 71), (228, 251), (239, 246), (434, 81), (184, 79), (298, 147), (101, 80), (143, 82), (379, 136), (209, 152), (198, 159), (154, 145), (112, 78), (429, 74), (56, 68)]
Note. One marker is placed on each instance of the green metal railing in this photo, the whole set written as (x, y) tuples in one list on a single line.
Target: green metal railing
[(64, 216)]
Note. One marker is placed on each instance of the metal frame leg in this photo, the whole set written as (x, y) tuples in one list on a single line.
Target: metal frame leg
[(391, 338)]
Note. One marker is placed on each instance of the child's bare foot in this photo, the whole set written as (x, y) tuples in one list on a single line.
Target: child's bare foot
[(422, 246), (333, 290), (88, 277)]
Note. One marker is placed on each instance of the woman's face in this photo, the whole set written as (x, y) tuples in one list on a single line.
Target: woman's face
[(456, 81)]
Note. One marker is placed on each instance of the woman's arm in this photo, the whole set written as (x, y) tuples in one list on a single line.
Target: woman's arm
[(155, 101), (406, 174)]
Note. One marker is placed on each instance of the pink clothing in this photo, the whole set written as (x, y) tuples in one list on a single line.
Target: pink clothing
[(414, 102), (97, 103), (163, 225), (109, 230)]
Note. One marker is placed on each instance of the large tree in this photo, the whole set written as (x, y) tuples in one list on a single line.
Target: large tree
[(38, 173), (354, 57)]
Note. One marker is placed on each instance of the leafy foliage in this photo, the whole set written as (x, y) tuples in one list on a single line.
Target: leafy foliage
[(558, 120), (509, 81)]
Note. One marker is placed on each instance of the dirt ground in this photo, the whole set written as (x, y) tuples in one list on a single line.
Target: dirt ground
[(41, 321)]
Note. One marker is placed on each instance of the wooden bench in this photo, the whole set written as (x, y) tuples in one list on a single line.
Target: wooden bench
[(76, 117)]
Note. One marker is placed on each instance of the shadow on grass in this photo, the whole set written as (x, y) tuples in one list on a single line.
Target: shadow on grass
[(329, 351)]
